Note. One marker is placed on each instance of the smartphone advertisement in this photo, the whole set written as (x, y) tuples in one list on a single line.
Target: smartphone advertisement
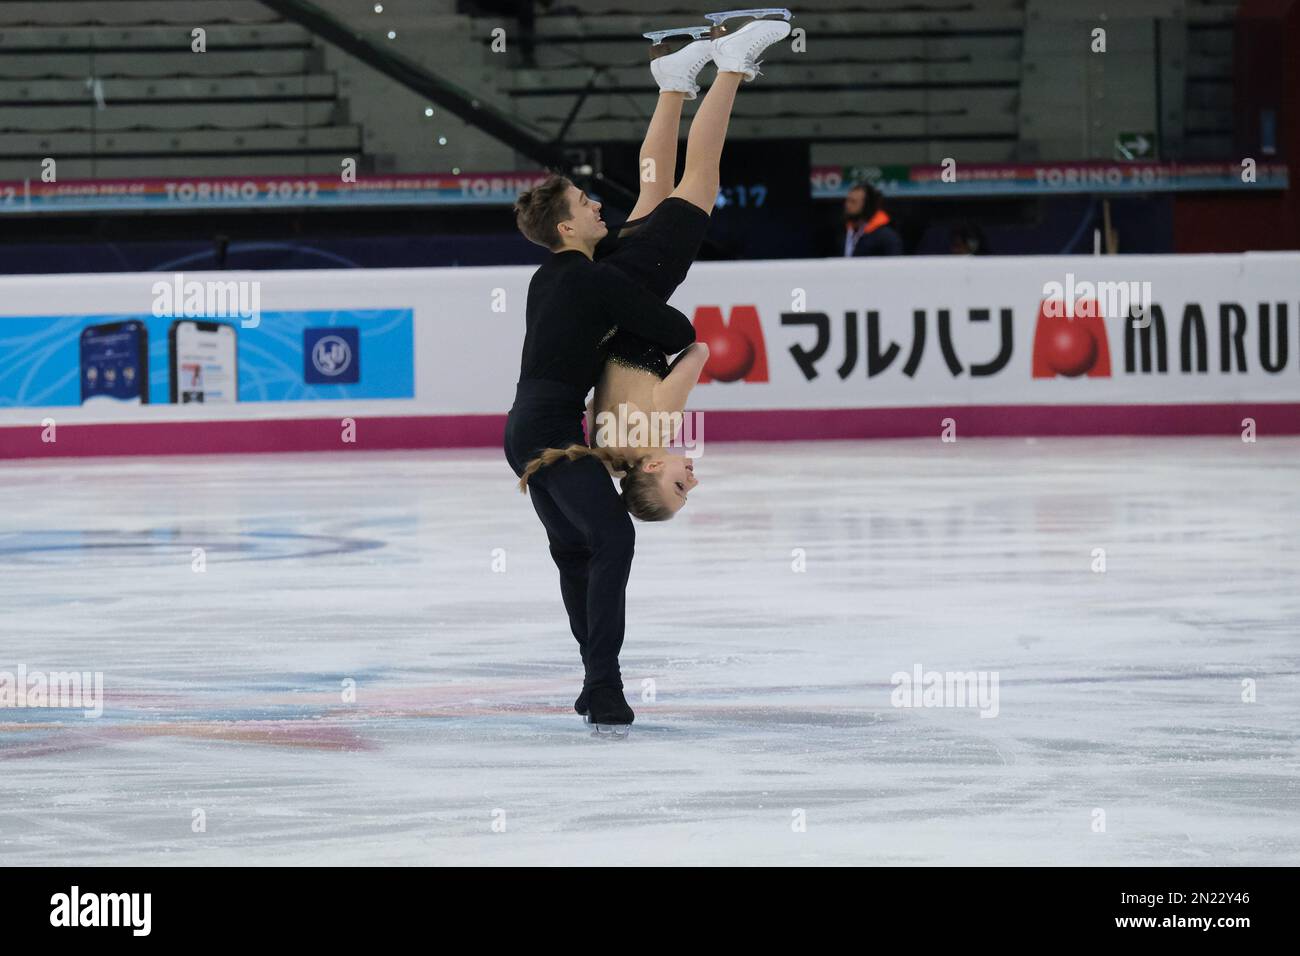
[(101, 360), (204, 362), (115, 363)]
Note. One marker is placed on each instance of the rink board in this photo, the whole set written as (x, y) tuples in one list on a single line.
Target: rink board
[(815, 348)]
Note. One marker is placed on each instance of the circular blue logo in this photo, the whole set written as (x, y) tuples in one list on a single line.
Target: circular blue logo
[(331, 355)]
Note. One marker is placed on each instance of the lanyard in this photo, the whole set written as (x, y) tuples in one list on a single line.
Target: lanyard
[(851, 238)]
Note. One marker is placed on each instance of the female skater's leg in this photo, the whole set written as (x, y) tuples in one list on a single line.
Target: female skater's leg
[(736, 49), (657, 168), (699, 183)]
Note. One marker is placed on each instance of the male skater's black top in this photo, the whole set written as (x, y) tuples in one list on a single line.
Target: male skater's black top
[(574, 307)]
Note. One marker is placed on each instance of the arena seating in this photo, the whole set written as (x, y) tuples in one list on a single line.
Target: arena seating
[(112, 90)]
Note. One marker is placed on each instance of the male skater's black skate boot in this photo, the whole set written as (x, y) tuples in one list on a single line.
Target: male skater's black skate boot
[(583, 703), (610, 714)]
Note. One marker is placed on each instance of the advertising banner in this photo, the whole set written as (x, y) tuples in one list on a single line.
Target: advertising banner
[(34, 195), (114, 361), (950, 178), (798, 348)]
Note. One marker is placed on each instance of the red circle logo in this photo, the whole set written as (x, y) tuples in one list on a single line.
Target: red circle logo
[(731, 355)]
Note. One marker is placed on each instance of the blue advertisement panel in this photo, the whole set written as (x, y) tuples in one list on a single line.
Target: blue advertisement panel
[(56, 360)]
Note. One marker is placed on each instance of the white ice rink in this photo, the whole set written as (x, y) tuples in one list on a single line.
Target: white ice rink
[(1120, 692)]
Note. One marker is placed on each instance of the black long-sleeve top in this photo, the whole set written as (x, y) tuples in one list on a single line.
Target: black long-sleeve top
[(574, 307)]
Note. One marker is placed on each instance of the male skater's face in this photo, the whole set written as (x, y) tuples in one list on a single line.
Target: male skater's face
[(584, 224)]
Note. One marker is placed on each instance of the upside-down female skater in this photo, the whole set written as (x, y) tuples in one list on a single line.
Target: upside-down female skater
[(576, 305), (656, 247)]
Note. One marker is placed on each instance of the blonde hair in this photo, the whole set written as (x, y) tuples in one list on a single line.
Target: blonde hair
[(640, 488)]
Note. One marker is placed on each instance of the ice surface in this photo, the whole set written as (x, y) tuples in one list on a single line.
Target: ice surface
[(1120, 691)]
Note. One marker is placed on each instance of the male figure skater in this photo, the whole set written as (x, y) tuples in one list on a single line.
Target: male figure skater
[(575, 305)]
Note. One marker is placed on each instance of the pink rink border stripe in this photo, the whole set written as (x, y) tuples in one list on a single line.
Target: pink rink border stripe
[(485, 431)]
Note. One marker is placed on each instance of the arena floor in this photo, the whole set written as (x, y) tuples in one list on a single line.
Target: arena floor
[(765, 729)]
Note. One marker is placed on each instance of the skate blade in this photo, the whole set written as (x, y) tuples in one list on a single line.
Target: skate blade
[(695, 33), (611, 731), (758, 13)]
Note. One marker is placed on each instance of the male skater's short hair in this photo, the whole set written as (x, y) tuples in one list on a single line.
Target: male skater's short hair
[(540, 209)]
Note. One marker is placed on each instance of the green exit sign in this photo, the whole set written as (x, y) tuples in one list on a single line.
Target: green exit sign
[(1135, 145)]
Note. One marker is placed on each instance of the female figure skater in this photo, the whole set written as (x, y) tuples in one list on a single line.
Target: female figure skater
[(656, 247), (632, 421), (575, 306)]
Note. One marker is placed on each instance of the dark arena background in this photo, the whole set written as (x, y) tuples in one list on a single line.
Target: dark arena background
[(993, 559)]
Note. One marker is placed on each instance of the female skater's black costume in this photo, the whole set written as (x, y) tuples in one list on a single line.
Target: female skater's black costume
[(655, 251)]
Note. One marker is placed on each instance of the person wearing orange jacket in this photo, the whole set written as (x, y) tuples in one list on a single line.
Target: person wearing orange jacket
[(867, 229)]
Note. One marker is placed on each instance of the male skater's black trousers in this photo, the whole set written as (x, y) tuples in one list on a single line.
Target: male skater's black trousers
[(590, 531)]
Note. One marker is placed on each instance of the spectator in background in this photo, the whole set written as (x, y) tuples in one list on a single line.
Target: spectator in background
[(867, 231), (967, 239)]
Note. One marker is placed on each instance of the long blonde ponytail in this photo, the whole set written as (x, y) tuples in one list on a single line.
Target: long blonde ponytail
[(550, 456), (639, 494)]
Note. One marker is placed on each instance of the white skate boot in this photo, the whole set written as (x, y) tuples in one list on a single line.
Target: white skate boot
[(739, 36), (677, 56)]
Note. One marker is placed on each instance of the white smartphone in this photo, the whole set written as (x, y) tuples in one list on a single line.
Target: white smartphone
[(204, 362)]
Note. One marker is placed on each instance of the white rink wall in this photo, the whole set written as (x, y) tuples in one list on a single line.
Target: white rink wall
[(795, 335)]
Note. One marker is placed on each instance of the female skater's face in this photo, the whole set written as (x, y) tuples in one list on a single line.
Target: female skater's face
[(676, 474), (584, 222)]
